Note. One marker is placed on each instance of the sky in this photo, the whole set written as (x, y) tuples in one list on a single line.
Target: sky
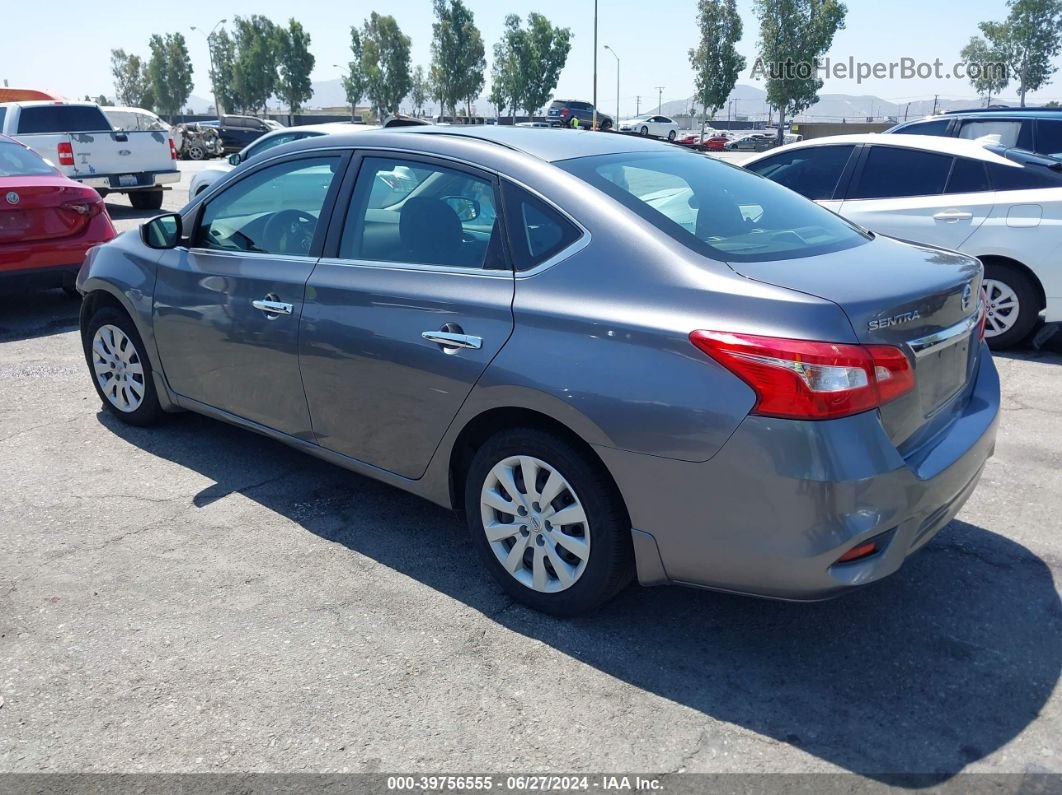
[(651, 38)]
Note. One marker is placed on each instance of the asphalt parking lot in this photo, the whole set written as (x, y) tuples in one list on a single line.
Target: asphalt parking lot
[(197, 598)]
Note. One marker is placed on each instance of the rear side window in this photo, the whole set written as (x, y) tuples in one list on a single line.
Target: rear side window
[(967, 176), (41, 119), (537, 232), (936, 127), (1048, 136), (1022, 177), (813, 172), (890, 172)]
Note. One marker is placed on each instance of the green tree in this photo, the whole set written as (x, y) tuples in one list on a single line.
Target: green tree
[(132, 83), (716, 62), (794, 35), (170, 69), (507, 75), (354, 83), (295, 64), (457, 56), (385, 62), (255, 69), (985, 68), (532, 60), (1028, 41), (418, 93), (223, 72)]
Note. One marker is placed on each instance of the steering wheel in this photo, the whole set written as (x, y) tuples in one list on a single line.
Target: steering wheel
[(289, 232)]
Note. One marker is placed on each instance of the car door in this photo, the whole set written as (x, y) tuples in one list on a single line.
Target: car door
[(227, 304), (406, 312), (902, 193), (815, 172)]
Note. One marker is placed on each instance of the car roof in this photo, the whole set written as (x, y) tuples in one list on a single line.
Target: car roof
[(128, 109), (36, 103), (990, 112), (551, 145), (957, 147)]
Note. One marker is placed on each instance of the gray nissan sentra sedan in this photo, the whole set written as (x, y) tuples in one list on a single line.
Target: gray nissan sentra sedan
[(620, 360)]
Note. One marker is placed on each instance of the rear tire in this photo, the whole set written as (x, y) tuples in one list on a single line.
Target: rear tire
[(146, 199), (606, 125), (1013, 305), (119, 367), (565, 568), (196, 152)]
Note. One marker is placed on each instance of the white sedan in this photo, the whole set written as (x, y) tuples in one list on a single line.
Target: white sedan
[(1001, 205), (648, 124)]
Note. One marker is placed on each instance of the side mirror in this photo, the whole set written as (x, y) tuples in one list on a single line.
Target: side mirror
[(162, 232), (466, 209), (235, 159)]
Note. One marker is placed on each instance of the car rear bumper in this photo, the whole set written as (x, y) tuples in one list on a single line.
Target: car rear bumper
[(144, 181), (773, 511)]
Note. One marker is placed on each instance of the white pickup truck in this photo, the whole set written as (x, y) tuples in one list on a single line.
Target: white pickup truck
[(77, 138)]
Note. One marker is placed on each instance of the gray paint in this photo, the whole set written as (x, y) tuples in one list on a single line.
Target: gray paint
[(598, 342)]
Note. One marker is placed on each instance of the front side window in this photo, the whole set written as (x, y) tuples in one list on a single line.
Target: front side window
[(812, 172), (419, 214), (891, 172), (716, 209), (273, 211)]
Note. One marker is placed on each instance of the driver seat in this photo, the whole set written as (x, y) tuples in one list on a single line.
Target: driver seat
[(430, 232)]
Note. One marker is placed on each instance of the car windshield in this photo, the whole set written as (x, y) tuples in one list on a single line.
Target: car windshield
[(18, 161), (716, 209)]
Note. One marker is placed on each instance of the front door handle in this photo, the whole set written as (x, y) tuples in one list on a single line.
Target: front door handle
[(449, 339), (952, 216), (272, 307)]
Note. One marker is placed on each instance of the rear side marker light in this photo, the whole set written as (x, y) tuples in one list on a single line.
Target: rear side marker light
[(858, 552), (66, 153), (983, 316), (799, 379), (173, 150)]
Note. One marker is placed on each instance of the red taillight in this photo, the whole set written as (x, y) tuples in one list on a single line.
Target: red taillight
[(983, 316), (565, 111), (859, 552), (797, 379), (173, 150), (66, 153)]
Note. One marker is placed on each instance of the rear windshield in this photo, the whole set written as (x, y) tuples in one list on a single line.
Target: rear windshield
[(18, 161), (716, 209), (61, 118)]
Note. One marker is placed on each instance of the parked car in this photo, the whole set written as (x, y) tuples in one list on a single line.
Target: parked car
[(237, 132), (47, 221), (82, 143), (1032, 129), (532, 124), (562, 111), (138, 119), (651, 124), (819, 401), (1003, 206), (754, 142), (208, 176)]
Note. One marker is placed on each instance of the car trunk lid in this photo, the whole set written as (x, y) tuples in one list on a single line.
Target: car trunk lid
[(44, 208), (921, 299)]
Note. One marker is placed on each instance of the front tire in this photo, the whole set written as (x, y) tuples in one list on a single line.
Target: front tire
[(196, 152), (119, 367), (547, 522), (1013, 305), (645, 131), (606, 125), (671, 136), (146, 199)]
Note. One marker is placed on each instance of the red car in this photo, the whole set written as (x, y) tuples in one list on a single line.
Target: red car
[(47, 222), (716, 143)]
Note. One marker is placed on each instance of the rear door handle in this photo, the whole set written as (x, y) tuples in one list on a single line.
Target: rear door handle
[(273, 307), (953, 215), (451, 340)]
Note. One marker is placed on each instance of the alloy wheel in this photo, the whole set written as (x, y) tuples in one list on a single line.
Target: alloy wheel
[(535, 524), (118, 368), (1003, 307)]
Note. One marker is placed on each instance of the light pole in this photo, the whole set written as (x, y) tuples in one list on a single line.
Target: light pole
[(210, 54), (617, 121), (593, 124), (659, 99)]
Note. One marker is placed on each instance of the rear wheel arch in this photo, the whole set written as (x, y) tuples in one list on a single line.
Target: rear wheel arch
[(1007, 262), (485, 425)]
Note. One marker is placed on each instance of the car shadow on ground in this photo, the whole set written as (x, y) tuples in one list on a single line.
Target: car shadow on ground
[(935, 668), (123, 211), (37, 313)]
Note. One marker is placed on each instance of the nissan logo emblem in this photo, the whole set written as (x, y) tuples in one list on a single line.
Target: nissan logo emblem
[(967, 294), (13, 198)]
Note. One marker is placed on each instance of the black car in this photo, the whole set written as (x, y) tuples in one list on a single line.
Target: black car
[(1032, 129), (562, 111), (238, 131)]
